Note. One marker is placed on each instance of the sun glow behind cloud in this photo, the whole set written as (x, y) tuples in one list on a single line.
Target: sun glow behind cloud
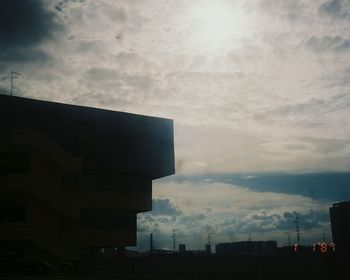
[(217, 25)]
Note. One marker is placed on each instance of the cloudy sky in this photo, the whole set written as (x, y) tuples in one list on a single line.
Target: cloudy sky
[(254, 87)]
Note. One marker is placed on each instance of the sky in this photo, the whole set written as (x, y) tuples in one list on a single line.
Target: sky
[(256, 88)]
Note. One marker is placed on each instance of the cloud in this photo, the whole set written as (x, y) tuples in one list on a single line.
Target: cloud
[(318, 186), (328, 43), (248, 105), (230, 212), (290, 10), (24, 25), (263, 221), (164, 207), (327, 145), (4, 91), (337, 9)]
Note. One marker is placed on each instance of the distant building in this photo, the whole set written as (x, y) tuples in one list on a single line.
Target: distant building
[(340, 221), (246, 247), (182, 249), (72, 178)]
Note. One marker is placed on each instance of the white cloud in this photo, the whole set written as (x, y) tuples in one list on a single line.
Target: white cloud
[(230, 213)]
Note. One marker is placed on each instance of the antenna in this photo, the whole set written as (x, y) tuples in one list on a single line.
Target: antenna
[(173, 236), (250, 237), (297, 229), (14, 75)]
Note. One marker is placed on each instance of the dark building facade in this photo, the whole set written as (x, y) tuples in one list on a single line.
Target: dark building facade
[(340, 221), (73, 178)]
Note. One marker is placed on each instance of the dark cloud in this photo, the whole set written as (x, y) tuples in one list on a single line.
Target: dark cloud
[(3, 91), (321, 186), (24, 24), (334, 8), (328, 43), (4, 84), (164, 207)]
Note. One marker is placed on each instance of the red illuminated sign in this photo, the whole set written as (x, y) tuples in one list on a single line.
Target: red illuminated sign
[(323, 247)]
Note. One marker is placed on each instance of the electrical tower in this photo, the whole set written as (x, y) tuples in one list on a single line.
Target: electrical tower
[(14, 75), (209, 237), (173, 236), (297, 228)]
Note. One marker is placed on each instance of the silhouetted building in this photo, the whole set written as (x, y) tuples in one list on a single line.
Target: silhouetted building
[(340, 220), (72, 178), (246, 247)]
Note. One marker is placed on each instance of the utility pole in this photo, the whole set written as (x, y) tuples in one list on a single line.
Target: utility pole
[(14, 75), (173, 236), (209, 238), (208, 246), (297, 228)]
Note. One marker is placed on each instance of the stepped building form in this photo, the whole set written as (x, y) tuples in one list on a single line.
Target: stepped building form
[(72, 178)]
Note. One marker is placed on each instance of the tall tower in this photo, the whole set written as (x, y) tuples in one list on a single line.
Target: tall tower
[(208, 245), (340, 221)]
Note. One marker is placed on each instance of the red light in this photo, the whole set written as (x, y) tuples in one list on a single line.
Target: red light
[(324, 247)]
